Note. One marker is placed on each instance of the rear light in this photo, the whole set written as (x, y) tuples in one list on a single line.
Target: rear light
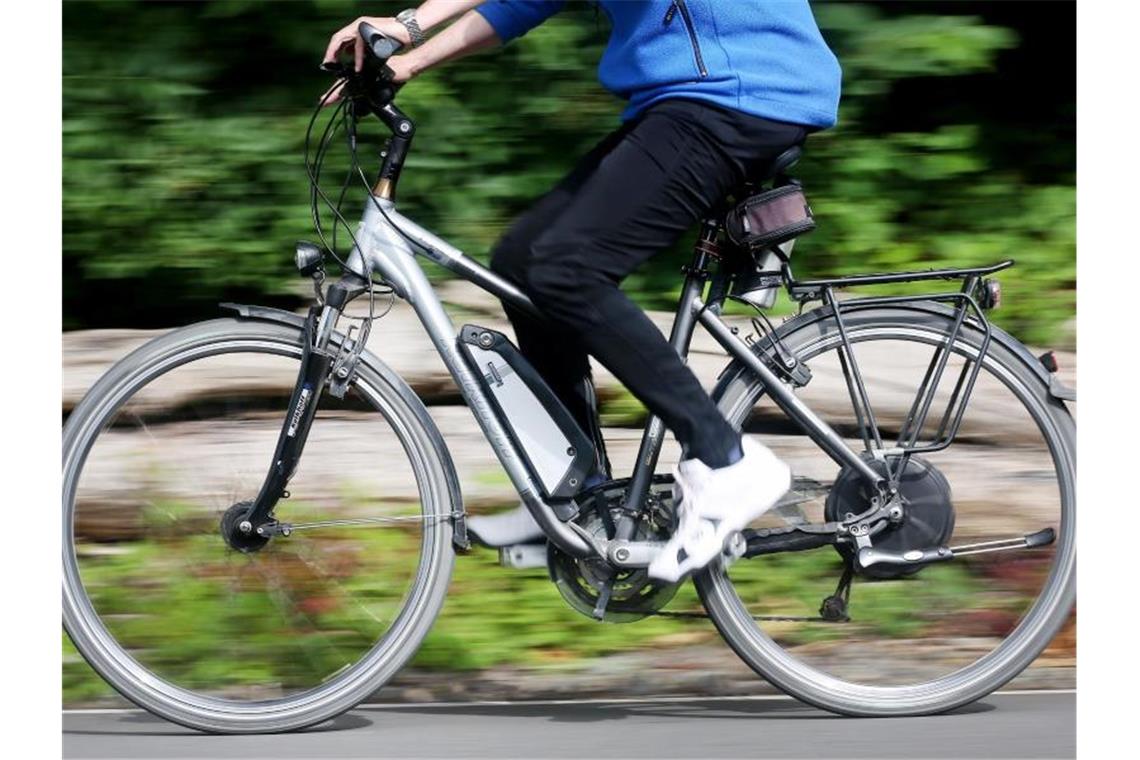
[(991, 294), (1049, 361)]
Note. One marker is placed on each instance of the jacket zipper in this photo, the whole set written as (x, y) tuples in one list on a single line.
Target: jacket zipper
[(679, 5)]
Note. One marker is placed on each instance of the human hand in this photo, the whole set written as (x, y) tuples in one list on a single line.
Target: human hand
[(350, 35)]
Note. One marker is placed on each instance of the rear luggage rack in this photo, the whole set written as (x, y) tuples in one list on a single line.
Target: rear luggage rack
[(810, 290)]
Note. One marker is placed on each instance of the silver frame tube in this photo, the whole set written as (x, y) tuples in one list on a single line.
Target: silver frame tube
[(388, 237), (819, 431), (390, 243)]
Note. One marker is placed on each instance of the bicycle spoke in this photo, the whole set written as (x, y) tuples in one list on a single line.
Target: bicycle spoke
[(198, 614), (918, 628)]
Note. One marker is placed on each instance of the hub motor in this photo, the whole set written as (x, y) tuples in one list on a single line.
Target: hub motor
[(244, 541), (928, 513)]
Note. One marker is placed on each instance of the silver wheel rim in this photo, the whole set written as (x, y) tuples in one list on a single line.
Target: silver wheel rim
[(985, 674), (339, 693)]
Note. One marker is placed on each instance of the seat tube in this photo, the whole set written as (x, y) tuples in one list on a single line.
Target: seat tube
[(680, 337)]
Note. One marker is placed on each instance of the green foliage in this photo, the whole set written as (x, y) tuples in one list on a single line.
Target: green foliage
[(622, 409), (493, 616), (183, 125)]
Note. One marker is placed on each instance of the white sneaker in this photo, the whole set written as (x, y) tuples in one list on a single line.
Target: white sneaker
[(515, 526), (712, 504)]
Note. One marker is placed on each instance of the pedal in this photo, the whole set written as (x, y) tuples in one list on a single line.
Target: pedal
[(523, 556), (734, 547)]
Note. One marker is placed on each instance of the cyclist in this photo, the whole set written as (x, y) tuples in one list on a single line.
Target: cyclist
[(715, 90)]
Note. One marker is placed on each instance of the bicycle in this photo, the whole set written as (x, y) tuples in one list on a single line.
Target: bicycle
[(256, 380)]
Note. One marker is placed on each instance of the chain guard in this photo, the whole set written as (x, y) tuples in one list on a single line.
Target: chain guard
[(928, 512), (635, 594)]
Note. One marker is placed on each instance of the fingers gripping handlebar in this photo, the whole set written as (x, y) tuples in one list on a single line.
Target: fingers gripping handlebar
[(381, 46), (372, 89), (374, 73)]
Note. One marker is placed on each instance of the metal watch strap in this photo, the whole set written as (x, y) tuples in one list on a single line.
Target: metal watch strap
[(408, 19)]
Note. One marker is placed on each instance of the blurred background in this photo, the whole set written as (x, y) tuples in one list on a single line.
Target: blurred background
[(183, 125)]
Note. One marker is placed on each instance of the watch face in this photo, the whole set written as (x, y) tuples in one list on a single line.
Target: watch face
[(406, 15)]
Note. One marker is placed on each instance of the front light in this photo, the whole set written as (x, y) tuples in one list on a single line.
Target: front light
[(309, 258)]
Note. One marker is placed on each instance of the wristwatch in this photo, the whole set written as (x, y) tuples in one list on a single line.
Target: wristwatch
[(408, 19)]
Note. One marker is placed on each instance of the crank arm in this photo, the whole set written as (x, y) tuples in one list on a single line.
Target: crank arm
[(632, 554), (868, 555), (629, 554)]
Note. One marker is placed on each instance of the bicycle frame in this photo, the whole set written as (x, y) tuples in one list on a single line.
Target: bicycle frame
[(387, 243), (390, 243)]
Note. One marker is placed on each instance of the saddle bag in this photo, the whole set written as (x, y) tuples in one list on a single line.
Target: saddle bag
[(770, 218)]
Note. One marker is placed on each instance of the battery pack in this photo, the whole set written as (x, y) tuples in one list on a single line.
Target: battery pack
[(553, 446)]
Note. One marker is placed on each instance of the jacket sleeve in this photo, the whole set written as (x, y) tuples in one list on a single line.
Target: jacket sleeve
[(514, 18)]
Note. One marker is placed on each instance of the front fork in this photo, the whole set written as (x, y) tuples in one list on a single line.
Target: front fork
[(316, 361)]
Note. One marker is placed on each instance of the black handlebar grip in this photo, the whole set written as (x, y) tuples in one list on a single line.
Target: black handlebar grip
[(381, 46)]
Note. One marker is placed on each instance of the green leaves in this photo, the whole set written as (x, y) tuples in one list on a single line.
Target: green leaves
[(876, 49), (183, 127)]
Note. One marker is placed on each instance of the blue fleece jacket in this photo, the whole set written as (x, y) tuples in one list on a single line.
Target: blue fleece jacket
[(762, 57)]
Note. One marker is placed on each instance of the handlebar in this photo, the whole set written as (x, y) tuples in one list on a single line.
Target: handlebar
[(381, 46), (372, 90), (373, 83)]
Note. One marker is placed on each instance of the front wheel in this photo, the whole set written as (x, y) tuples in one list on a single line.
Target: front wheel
[(954, 632), (259, 637)]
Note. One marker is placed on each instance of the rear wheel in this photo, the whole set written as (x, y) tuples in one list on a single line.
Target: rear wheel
[(271, 635), (953, 632)]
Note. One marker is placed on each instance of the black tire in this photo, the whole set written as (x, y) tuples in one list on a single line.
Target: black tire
[(814, 333), (438, 493)]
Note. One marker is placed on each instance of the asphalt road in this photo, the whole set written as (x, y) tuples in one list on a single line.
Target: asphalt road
[(1016, 724)]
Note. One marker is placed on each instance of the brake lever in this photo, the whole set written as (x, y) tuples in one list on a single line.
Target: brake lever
[(374, 86), (335, 67)]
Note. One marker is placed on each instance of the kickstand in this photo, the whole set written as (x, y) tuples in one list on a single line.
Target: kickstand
[(834, 608)]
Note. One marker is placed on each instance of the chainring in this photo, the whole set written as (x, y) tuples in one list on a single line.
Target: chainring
[(635, 595), (928, 512)]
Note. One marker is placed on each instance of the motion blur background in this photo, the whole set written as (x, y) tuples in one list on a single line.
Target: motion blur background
[(183, 186)]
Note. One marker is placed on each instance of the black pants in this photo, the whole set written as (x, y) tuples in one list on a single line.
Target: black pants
[(631, 196)]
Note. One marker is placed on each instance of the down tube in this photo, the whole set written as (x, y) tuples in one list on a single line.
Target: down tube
[(392, 256), (817, 429)]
